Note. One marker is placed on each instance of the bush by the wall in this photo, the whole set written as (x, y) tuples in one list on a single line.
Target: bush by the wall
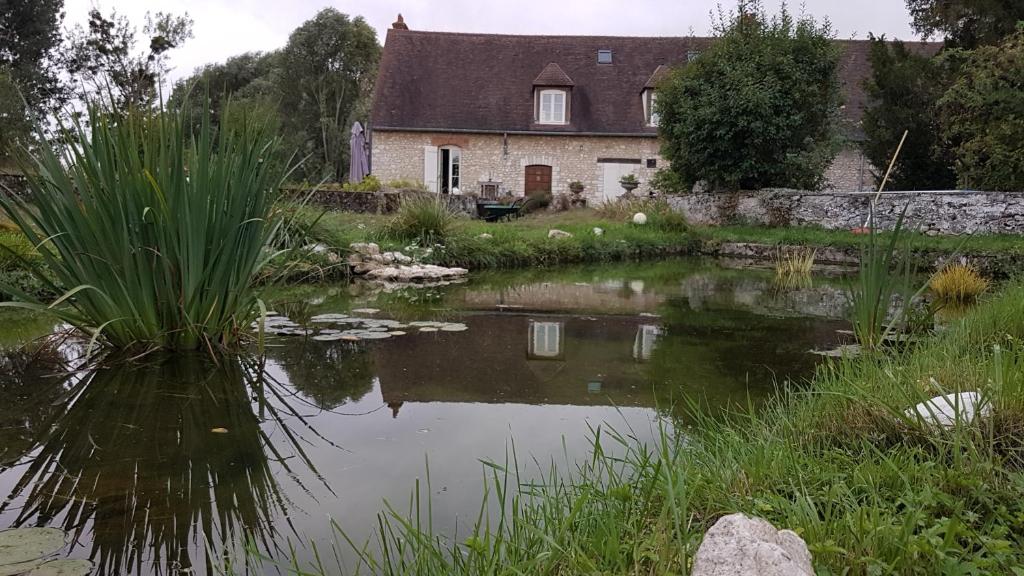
[(982, 114), (758, 109)]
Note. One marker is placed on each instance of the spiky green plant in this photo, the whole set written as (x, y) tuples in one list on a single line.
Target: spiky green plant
[(154, 230), (885, 276)]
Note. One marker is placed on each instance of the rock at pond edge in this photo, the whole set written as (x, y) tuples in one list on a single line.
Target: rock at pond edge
[(738, 545)]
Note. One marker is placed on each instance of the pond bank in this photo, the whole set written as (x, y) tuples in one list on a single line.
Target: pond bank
[(869, 489)]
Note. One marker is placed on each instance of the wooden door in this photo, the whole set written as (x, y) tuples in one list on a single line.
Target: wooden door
[(538, 179)]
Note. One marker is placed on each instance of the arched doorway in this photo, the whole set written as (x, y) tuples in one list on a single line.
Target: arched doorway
[(538, 180)]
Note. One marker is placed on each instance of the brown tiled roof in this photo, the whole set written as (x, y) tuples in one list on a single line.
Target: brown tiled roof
[(484, 82), (659, 74), (553, 75)]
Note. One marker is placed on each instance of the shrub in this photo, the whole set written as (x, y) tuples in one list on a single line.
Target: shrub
[(407, 185), (424, 218), (958, 284), (535, 202), (982, 116), (905, 88), (368, 184), (758, 108), (156, 232)]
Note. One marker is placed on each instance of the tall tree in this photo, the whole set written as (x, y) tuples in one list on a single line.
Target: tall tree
[(326, 75), (904, 88), (29, 75), (966, 23), (982, 115), (247, 80), (757, 109), (105, 58)]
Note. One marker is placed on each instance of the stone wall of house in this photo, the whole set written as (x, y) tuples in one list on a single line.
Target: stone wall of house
[(949, 212), (503, 159)]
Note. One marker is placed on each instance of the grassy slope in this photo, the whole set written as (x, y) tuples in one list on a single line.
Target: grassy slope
[(871, 491)]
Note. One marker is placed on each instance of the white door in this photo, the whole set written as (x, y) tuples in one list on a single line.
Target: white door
[(612, 173), (430, 167)]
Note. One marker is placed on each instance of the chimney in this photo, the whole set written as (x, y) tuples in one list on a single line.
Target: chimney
[(399, 24)]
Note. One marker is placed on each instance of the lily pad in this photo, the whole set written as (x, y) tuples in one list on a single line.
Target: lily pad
[(328, 337), (350, 338), (63, 567), (365, 311), (454, 328), (21, 545), (375, 335), (397, 333), (428, 329)]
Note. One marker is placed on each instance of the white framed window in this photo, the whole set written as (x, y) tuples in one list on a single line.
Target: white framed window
[(552, 107), (650, 110), (646, 338), (545, 339)]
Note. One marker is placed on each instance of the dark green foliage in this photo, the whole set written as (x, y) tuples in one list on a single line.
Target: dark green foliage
[(966, 23), (325, 78), (905, 88), (982, 115), (246, 80), (29, 38), (758, 109)]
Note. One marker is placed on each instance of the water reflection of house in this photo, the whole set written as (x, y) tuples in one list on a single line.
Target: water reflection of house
[(607, 297), (537, 359)]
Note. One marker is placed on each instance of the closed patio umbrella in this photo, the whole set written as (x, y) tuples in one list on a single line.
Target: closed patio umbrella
[(358, 166)]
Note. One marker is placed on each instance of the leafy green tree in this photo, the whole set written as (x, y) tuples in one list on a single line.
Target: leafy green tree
[(904, 88), (112, 70), (982, 115), (326, 76), (30, 85), (758, 109), (247, 80), (966, 23)]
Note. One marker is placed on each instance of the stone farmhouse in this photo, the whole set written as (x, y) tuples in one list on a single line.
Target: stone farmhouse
[(502, 114)]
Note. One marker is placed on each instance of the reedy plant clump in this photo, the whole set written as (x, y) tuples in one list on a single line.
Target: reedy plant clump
[(156, 231), (958, 284), (425, 218)]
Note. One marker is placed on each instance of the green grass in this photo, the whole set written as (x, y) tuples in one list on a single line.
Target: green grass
[(871, 490), (518, 243)]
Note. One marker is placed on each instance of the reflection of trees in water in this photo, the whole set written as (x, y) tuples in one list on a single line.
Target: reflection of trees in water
[(30, 393), (328, 373), (155, 458)]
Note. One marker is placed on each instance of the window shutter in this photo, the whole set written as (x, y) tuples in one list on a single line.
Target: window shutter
[(430, 167)]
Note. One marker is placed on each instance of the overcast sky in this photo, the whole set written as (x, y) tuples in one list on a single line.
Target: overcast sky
[(224, 28)]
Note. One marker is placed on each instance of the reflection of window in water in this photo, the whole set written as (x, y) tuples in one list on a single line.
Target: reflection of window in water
[(545, 339), (643, 344)]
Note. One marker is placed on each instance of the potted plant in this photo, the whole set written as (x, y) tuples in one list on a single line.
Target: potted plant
[(576, 187), (629, 183)]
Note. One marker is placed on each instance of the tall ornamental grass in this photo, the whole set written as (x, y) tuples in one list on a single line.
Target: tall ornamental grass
[(155, 230)]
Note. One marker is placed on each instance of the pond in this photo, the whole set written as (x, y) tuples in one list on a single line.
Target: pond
[(149, 465)]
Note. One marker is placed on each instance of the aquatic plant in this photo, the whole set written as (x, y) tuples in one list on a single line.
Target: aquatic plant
[(958, 284), (154, 231), (884, 288), (425, 218), (797, 261)]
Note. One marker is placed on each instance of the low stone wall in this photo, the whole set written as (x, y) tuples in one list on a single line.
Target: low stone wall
[(941, 212), (12, 183), (385, 202)]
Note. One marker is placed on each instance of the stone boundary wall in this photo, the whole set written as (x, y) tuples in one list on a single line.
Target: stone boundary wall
[(930, 212), (386, 202), (13, 182)]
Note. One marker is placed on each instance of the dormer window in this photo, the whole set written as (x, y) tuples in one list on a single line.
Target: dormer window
[(649, 95), (552, 107), (650, 106), (552, 89)]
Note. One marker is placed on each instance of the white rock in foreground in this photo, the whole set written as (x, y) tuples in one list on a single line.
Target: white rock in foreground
[(741, 546), (640, 218), (556, 233), (947, 410), (598, 231)]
